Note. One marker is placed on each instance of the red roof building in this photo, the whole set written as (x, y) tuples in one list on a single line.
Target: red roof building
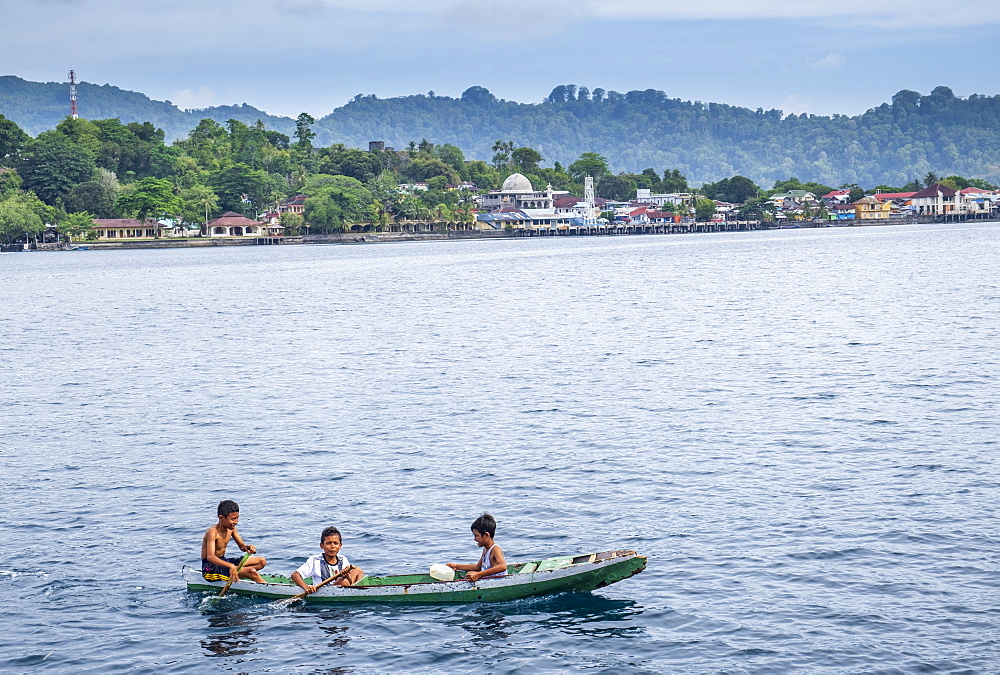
[(232, 224), (935, 190), (565, 202), (977, 201), (662, 217), (885, 196), (936, 199)]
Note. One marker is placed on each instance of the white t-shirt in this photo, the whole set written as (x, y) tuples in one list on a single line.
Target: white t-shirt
[(313, 567)]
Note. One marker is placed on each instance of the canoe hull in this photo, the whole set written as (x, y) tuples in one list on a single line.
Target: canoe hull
[(581, 577)]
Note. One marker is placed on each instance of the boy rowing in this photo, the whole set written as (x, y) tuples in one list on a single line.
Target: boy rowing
[(329, 563), (215, 566)]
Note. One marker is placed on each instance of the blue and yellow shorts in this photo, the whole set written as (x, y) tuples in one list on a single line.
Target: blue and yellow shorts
[(213, 572)]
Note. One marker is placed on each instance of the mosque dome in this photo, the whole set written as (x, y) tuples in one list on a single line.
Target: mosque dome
[(517, 183)]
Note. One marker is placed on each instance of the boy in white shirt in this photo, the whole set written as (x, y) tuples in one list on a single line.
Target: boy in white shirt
[(326, 564)]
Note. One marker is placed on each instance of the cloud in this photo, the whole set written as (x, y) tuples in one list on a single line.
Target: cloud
[(796, 104), (363, 6), (901, 11), (874, 13), (200, 53), (502, 13), (301, 7), (203, 97), (498, 15), (829, 62), (546, 16), (502, 18)]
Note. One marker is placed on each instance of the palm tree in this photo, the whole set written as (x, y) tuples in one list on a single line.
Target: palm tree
[(379, 216), (464, 215), (442, 212), (209, 201), (501, 153)]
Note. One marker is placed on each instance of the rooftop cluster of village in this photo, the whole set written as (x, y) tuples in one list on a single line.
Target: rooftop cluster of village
[(91, 180), (517, 205)]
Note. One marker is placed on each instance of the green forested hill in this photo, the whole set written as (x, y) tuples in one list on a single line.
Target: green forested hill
[(39, 106), (891, 144)]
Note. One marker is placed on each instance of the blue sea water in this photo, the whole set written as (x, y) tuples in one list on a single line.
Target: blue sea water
[(798, 428)]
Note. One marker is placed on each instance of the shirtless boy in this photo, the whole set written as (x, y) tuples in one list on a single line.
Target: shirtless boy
[(214, 565)]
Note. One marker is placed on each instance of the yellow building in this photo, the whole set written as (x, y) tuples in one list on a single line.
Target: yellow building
[(124, 228), (869, 208)]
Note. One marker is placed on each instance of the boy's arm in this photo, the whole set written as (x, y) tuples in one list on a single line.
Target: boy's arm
[(499, 565), (207, 544), (246, 548), (297, 578), (463, 568)]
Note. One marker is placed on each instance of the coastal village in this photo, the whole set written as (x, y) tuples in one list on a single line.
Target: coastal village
[(104, 184), (518, 208)]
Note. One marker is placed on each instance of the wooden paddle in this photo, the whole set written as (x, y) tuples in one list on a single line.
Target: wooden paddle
[(235, 576), (339, 575)]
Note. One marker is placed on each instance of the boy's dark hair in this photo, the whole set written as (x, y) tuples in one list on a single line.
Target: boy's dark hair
[(329, 532), (485, 523), (227, 506)]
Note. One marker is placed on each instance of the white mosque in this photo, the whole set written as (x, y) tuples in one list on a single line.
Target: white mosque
[(517, 193), (518, 204)]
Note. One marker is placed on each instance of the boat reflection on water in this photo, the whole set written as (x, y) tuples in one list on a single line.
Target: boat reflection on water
[(232, 634), (337, 634), (486, 624), (572, 613)]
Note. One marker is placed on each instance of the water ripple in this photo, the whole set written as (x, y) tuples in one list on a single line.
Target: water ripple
[(798, 428)]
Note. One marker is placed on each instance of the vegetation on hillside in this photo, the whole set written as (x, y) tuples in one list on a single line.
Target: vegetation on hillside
[(84, 169), (40, 106), (894, 143)]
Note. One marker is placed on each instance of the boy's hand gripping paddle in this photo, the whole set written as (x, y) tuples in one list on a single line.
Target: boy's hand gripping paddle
[(235, 576), (339, 575)]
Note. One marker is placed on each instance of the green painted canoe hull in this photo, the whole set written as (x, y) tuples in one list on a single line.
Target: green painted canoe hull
[(583, 573)]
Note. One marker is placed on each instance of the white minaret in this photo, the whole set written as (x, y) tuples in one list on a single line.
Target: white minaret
[(588, 196)]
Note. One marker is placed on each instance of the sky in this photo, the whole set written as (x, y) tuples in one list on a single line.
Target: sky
[(291, 56)]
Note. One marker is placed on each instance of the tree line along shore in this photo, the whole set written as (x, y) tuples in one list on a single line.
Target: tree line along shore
[(891, 143), (57, 185)]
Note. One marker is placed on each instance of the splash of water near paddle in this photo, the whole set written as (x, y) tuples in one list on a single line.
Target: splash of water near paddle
[(283, 604)]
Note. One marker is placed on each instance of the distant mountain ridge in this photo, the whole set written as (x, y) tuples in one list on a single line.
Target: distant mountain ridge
[(890, 144), (39, 106)]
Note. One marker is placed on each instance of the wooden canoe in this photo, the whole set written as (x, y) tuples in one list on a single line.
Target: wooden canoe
[(583, 573)]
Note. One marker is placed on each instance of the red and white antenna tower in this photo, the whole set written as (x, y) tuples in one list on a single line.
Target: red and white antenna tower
[(72, 95)]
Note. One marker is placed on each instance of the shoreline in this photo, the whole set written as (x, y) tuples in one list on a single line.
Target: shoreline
[(346, 238)]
